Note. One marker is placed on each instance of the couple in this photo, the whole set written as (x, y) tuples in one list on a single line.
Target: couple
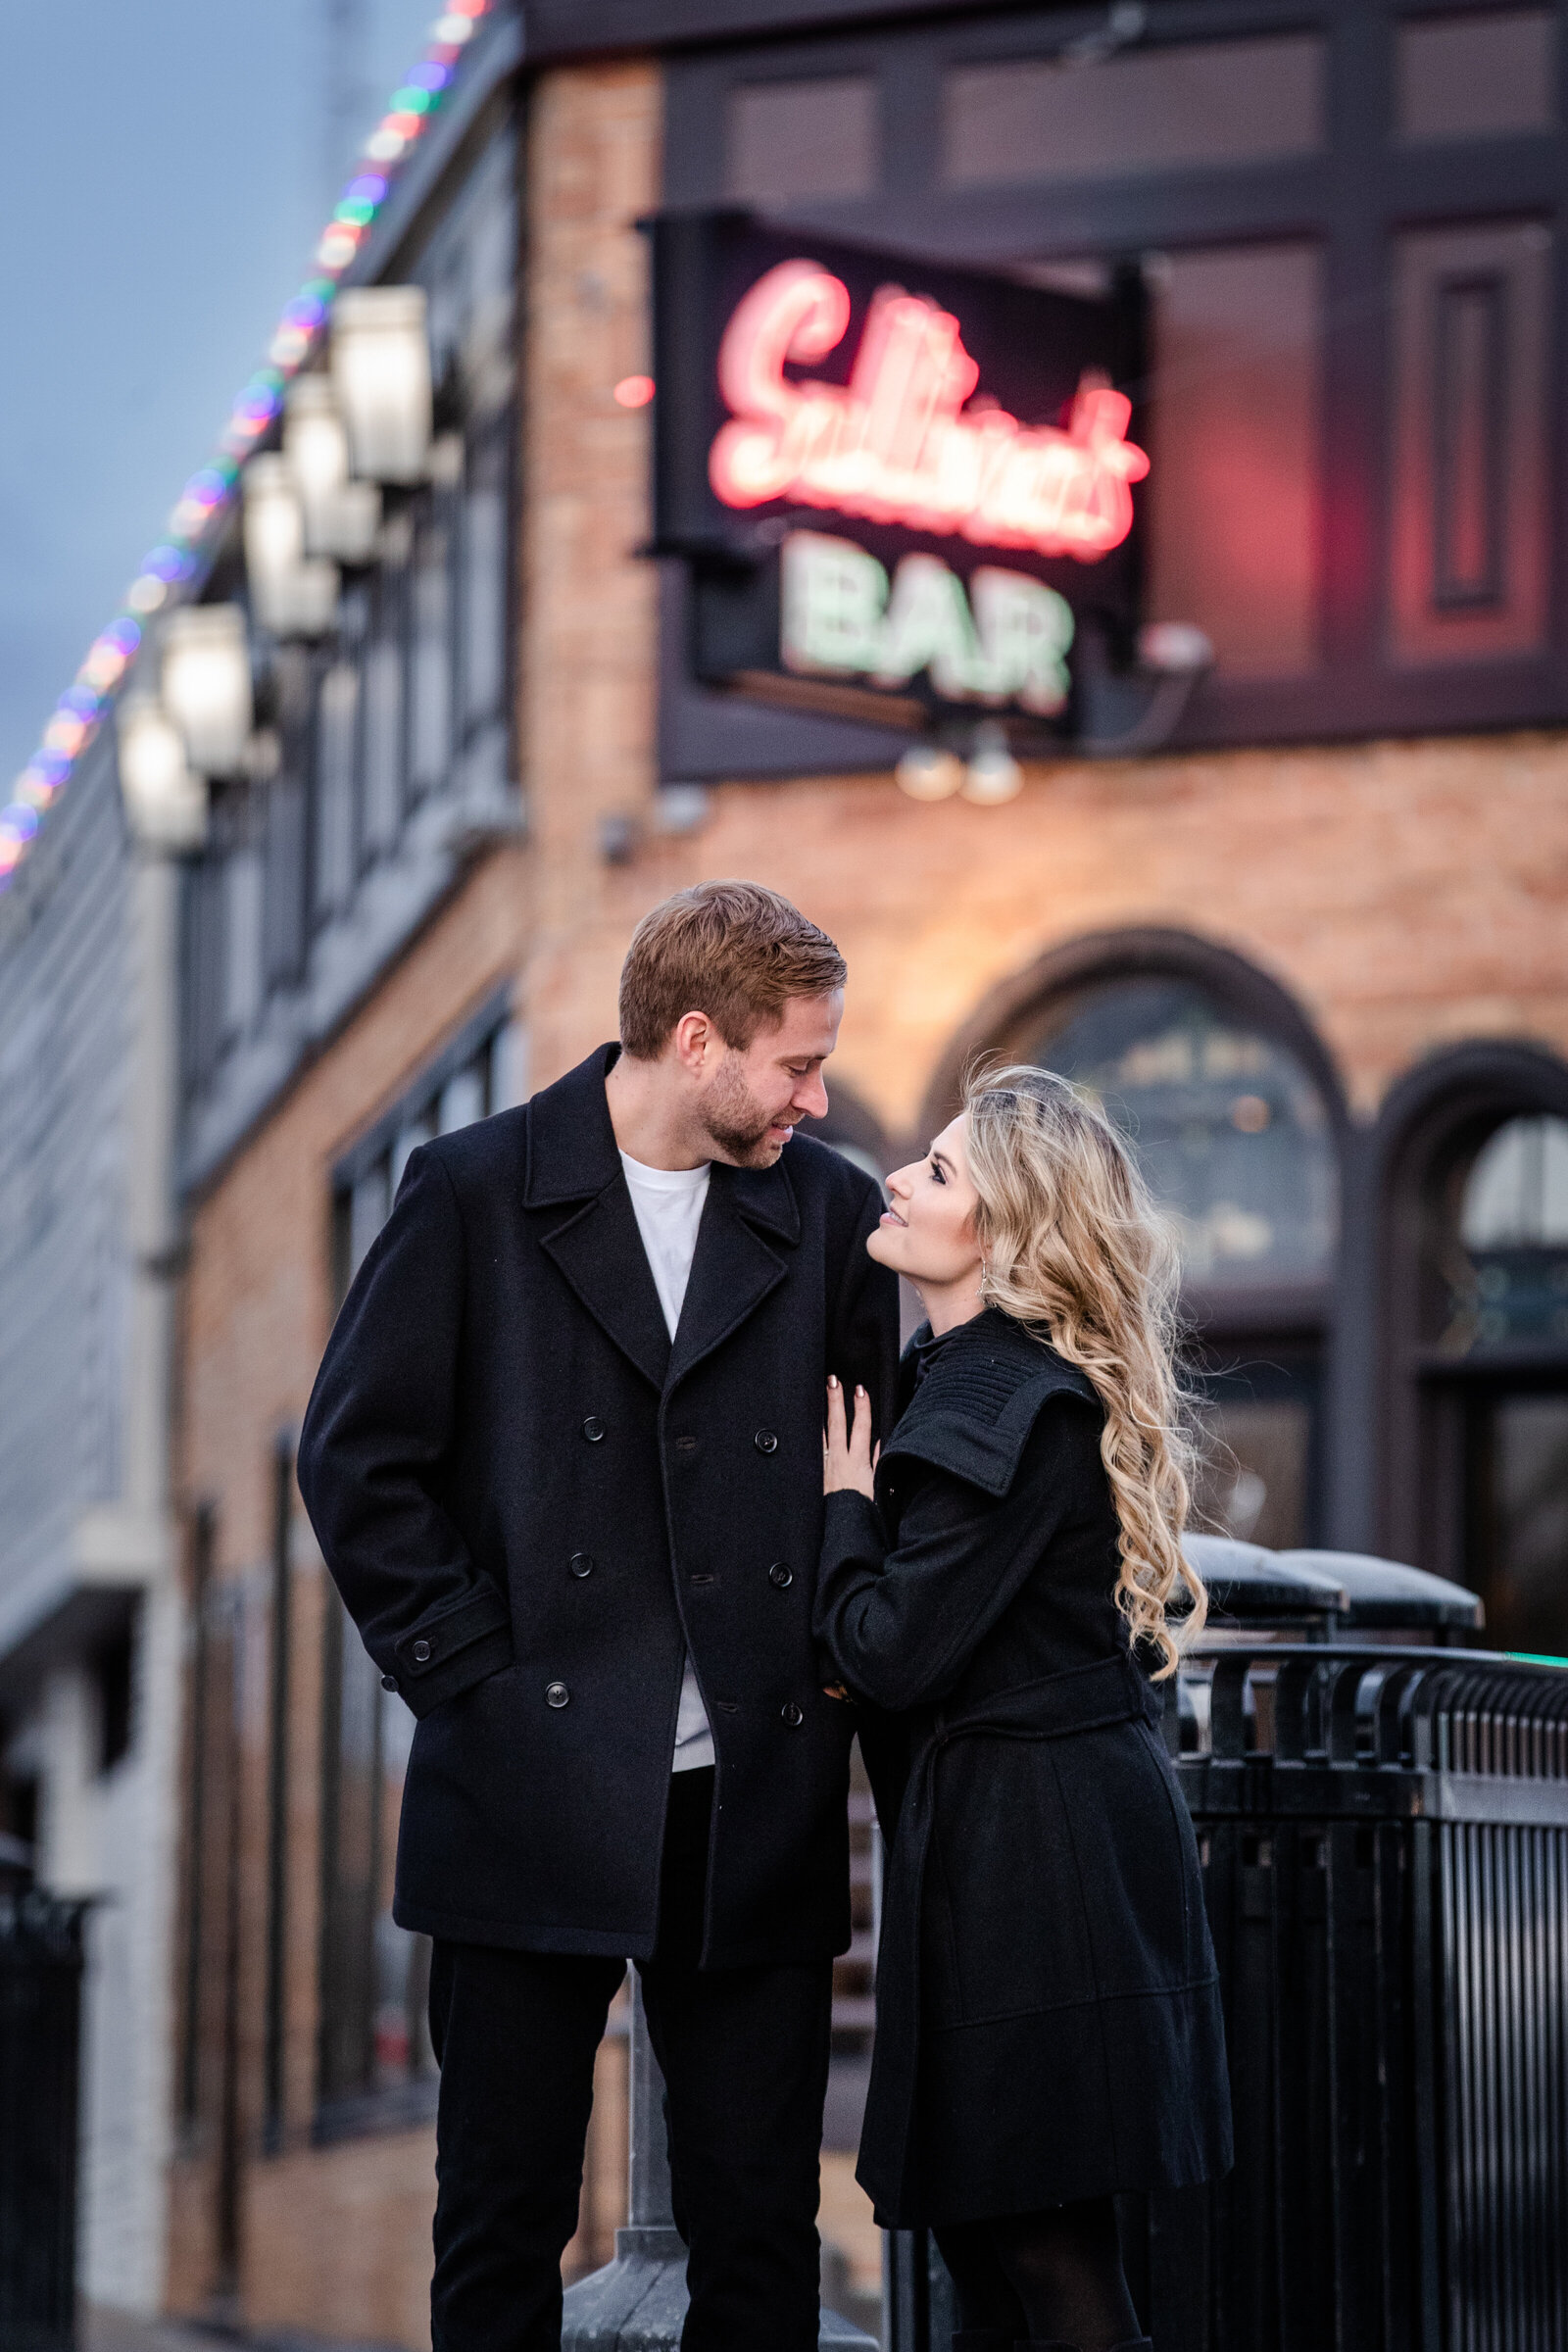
[(566, 1458)]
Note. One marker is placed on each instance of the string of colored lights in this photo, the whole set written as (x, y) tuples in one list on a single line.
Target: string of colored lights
[(211, 490)]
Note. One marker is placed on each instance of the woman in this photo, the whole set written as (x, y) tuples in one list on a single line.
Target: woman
[(1049, 2028)]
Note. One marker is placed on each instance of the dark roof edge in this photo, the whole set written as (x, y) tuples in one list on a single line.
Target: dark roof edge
[(559, 30), (492, 59)]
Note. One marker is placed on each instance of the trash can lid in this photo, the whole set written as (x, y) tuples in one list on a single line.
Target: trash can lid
[(1246, 1580), (1385, 1593)]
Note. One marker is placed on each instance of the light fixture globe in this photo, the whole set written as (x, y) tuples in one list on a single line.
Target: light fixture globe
[(926, 773), (165, 801), (341, 517), (992, 775), (207, 684), (381, 376), (292, 594)]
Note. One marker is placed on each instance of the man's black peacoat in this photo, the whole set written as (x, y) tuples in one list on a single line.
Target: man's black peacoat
[(533, 1503)]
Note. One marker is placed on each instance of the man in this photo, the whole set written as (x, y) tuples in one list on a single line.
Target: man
[(565, 1459)]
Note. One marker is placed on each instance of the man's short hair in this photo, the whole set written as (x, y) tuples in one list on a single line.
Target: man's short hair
[(732, 950)]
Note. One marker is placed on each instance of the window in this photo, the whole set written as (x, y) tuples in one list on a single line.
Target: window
[(1234, 1136), (803, 138), (1470, 546), (1506, 1272), (1203, 104), (275, 2024), (373, 2039), (1507, 1279), (1228, 1127), (1475, 76), (1233, 441)]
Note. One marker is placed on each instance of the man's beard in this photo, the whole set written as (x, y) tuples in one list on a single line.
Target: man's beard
[(737, 1125)]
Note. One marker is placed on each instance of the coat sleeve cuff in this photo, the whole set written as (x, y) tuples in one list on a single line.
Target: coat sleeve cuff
[(446, 1654), (852, 1524)]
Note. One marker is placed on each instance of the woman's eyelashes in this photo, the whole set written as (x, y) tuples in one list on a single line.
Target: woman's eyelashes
[(937, 1176)]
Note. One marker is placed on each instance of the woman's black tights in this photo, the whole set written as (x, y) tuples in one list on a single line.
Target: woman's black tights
[(1055, 2277)]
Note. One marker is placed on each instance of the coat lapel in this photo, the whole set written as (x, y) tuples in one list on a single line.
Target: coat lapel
[(601, 1252), (739, 1260), (749, 1219), (573, 1164)]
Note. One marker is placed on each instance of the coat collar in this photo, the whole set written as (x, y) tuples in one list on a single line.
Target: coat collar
[(573, 1159)]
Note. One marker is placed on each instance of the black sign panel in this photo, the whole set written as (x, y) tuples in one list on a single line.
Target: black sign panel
[(902, 488)]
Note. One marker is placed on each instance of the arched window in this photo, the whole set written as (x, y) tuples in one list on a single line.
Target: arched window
[(1231, 1105), (1508, 1277), (1476, 1433), (1232, 1133)]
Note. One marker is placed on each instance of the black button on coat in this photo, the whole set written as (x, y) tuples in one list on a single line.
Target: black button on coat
[(1048, 2010), (505, 1313)]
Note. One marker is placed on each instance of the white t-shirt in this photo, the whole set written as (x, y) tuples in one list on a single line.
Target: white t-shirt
[(669, 1206)]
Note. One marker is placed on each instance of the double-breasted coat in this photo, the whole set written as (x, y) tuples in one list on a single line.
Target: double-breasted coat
[(1048, 2022), (534, 1503)]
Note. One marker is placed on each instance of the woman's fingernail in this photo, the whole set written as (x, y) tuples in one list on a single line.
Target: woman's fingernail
[(858, 1389), (831, 1382)]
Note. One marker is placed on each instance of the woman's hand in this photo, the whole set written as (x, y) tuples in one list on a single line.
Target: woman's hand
[(848, 1460)]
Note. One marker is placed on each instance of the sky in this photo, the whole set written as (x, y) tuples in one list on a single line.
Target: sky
[(164, 172)]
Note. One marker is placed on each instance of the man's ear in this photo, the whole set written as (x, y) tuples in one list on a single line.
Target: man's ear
[(690, 1041)]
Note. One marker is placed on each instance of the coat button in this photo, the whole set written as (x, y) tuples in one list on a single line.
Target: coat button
[(557, 1695), (389, 1682), (780, 1576), (593, 1429), (421, 1653), (792, 1714), (766, 1442), (581, 1564)]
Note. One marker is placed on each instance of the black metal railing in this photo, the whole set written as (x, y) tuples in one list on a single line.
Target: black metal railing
[(40, 1991), (1385, 1844)]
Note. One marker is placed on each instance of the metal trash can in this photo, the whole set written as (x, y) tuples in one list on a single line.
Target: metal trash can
[(41, 2004)]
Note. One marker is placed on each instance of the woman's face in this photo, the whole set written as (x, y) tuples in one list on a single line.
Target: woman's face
[(928, 1232)]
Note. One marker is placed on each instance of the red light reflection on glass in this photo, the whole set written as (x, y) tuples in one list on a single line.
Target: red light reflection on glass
[(633, 391), (896, 444)]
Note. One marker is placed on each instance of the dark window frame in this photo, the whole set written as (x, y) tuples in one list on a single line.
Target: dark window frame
[(349, 2099), (1354, 198), (1434, 1123)]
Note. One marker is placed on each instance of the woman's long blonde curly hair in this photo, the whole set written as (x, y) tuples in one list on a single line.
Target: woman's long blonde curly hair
[(1075, 1248)]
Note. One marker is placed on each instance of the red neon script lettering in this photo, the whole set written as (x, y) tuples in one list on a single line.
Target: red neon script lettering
[(896, 444)]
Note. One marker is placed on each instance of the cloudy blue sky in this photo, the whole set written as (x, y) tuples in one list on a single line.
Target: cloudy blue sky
[(163, 173)]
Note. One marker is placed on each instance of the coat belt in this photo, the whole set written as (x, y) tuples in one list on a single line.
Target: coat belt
[(1082, 1698)]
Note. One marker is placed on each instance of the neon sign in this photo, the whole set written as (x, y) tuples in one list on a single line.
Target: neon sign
[(1005, 641), (896, 444)]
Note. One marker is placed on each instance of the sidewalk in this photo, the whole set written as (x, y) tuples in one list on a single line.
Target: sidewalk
[(106, 2330)]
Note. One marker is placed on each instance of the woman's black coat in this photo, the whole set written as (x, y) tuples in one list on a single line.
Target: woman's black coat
[(1048, 2013), (533, 1503)]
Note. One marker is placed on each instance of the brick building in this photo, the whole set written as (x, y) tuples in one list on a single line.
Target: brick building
[(1283, 878)]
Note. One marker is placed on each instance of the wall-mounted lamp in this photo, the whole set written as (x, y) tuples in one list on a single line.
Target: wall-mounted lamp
[(926, 773), (341, 517), (992, 776), (207, 684), (165, 801), (292, 594), (381, 374)]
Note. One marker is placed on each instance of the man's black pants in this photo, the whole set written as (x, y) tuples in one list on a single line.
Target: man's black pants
[(744, 2053)]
